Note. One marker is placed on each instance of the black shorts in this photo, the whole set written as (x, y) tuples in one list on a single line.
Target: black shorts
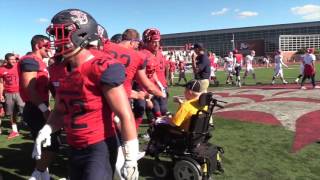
[(35, 120), (93, 162), (238, 69)]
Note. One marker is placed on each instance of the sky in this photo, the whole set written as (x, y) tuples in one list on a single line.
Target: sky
[(21, 19)]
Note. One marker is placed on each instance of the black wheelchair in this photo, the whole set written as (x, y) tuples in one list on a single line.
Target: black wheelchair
[(190, 154)]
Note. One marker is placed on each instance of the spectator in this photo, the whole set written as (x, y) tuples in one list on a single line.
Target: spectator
[(249, 68), (172, 69), (182, 71), (278, 71), (213, 66), (201, 66), (266, 60), (229, 67), (9, 87), (309, 68)]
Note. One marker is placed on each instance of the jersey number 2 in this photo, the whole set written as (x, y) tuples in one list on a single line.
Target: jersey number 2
[(78, 109)]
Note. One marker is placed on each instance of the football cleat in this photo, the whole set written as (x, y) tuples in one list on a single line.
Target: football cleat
[(303, 87)]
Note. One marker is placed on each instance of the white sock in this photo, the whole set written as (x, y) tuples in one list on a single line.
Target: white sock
[(14, 127)]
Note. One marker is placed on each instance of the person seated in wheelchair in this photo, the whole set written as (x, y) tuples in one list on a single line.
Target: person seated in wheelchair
[(167, 128)]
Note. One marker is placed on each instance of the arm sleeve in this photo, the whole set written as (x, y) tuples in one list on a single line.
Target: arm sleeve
[(29, 65), (114, 75)]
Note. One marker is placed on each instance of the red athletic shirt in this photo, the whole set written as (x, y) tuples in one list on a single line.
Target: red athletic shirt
[(151, 67), (32, 63), (130, 58), (172, 66), (151, 62), (87, 116), (10, 78), (161, 71), (238, 57)]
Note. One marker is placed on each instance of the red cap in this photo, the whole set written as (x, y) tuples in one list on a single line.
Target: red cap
[(310, 50)]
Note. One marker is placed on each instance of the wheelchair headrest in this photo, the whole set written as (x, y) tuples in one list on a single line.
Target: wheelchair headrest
[(205, 98)]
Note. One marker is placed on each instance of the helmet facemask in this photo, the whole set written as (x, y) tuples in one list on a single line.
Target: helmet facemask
[(60, 35)]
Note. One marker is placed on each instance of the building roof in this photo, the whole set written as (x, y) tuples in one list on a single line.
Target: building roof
[(242, 29)]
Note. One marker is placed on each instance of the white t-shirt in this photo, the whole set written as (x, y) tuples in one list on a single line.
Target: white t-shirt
[(229, 61), (309, 58), (278, 61), (249, 60)]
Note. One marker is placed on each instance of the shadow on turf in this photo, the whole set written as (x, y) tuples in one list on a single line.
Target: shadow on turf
[(145, 170), (6, 175), (17, 158)]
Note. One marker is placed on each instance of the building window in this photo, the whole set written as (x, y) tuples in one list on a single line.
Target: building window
[(296, 42)]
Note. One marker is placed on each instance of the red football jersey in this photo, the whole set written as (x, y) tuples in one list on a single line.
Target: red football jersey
[(151, 62), (87, 116), (238, 57), (130, 58), (172, 66), (32, 63), (56, 72), (151, 66), (10, 78), (161, 70)]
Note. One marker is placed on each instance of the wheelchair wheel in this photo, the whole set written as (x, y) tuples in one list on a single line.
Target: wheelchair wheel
[(160, 170), (185, 170)]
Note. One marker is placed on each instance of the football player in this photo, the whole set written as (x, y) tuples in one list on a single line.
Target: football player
[(125, 52), (117, 38), (34, 91), (151, 50), (85, 101)]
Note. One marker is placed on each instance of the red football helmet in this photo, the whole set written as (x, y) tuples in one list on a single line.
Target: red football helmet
[(72, 29), (151, 34)]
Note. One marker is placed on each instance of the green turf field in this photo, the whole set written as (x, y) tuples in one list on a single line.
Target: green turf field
[(253, 151)]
